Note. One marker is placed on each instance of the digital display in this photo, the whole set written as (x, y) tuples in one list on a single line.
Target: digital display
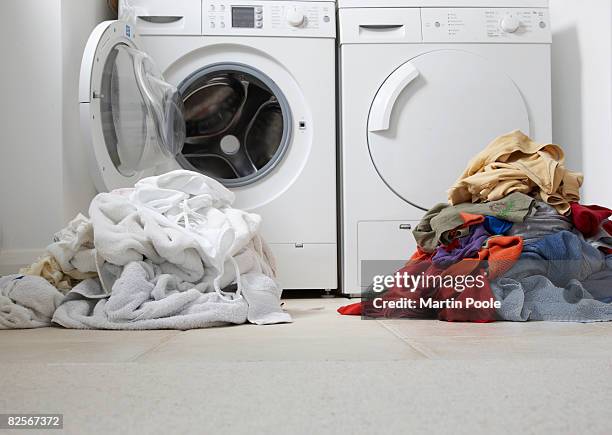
[(243, 17)]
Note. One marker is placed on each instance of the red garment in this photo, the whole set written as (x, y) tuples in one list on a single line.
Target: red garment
[(351, 309), (607, 225), (588, 218)]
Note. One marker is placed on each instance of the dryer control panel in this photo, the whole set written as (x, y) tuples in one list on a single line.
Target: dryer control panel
[(269, 18), (509, 25)]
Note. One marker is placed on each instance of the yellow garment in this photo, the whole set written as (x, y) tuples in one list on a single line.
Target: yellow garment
[(48, 268), (514, 163)]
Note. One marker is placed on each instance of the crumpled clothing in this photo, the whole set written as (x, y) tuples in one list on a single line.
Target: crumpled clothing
[(70, 258), (182, 221), (563, 258), (169, 253), (514, 163), (496, 226), (538, 298), (145, 298), (602, 240), (544, 221), (444, 218), (496, 257), (468, 247), (27, 302), (588, 218)]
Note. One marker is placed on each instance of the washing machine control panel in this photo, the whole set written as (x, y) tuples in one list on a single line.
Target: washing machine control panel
[(511, 25), (268, 18)]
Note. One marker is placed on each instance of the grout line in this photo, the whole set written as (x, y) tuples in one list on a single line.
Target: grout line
[(414, 345), (163, 341)]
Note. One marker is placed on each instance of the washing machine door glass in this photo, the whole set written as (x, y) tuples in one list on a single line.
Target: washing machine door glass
[(238, 124), (132, 118), (433, 114), (142, 119)]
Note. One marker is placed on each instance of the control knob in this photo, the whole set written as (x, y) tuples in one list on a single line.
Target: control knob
[(295, 17), (510, 23)]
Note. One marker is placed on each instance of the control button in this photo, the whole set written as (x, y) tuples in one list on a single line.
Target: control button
[(259, 17), (510, 23), (542, 25), (212, 24), (258, 10), (259, 25), (222, 7), (437, 24), (222, 25), (211, 7), (326, 19)]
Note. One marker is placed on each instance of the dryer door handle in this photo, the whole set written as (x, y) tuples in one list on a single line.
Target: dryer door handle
[(382, 107)]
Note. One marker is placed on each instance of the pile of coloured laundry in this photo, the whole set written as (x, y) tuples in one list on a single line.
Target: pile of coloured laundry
[(170, 253), (513, 243)]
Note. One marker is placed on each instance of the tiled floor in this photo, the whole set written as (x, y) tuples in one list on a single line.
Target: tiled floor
[(322, 374)]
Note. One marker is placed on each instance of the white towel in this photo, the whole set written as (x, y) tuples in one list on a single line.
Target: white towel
[(182, 221)]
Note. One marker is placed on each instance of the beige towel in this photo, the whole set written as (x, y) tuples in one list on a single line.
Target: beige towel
[(515, 163)]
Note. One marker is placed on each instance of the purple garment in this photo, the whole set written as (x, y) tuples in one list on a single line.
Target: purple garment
[(468, 247)]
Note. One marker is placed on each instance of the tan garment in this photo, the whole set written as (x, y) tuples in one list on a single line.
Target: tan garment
[(514, 163), (48, 268), (70, 258)]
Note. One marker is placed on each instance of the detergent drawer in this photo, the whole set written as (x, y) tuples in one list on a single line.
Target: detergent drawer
[(163, 17)]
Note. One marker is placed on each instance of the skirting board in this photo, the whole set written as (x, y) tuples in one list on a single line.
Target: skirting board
[(11, 261)]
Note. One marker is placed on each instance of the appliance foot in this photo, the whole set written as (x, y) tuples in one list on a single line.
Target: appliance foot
[(327, 293)]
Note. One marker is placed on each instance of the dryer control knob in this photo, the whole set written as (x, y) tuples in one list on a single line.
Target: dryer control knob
[(295, 17), (510, 23)]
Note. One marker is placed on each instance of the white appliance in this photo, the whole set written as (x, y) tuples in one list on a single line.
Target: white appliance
[(424, 86), (257, 80)]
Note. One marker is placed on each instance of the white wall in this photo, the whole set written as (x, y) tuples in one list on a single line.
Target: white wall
[(30, 126), (43, 174), (582, 91)]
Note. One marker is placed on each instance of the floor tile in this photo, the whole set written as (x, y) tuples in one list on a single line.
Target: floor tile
[(410, 328), (514, 348), (52, 345), (318, 333), (482, 397)]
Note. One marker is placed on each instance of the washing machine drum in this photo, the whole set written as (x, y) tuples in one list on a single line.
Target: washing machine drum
[(237, 124)]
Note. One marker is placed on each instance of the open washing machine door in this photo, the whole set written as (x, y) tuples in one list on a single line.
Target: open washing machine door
[(434, 113), (131, 118)]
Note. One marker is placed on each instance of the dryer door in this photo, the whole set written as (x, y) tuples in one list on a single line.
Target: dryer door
[(132, 119), (432, 115)]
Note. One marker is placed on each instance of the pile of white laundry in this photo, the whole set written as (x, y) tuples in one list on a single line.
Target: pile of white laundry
[(169, 253)]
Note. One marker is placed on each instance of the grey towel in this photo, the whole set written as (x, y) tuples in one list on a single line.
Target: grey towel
[(559, 277), (27, 302), (537, 298), (145, 298)]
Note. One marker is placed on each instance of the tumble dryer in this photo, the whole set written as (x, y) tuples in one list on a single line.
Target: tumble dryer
[(424, 86), (255, 109)]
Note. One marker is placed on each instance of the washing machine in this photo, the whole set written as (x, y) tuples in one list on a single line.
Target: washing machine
[(424, 86), (255, 109)]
